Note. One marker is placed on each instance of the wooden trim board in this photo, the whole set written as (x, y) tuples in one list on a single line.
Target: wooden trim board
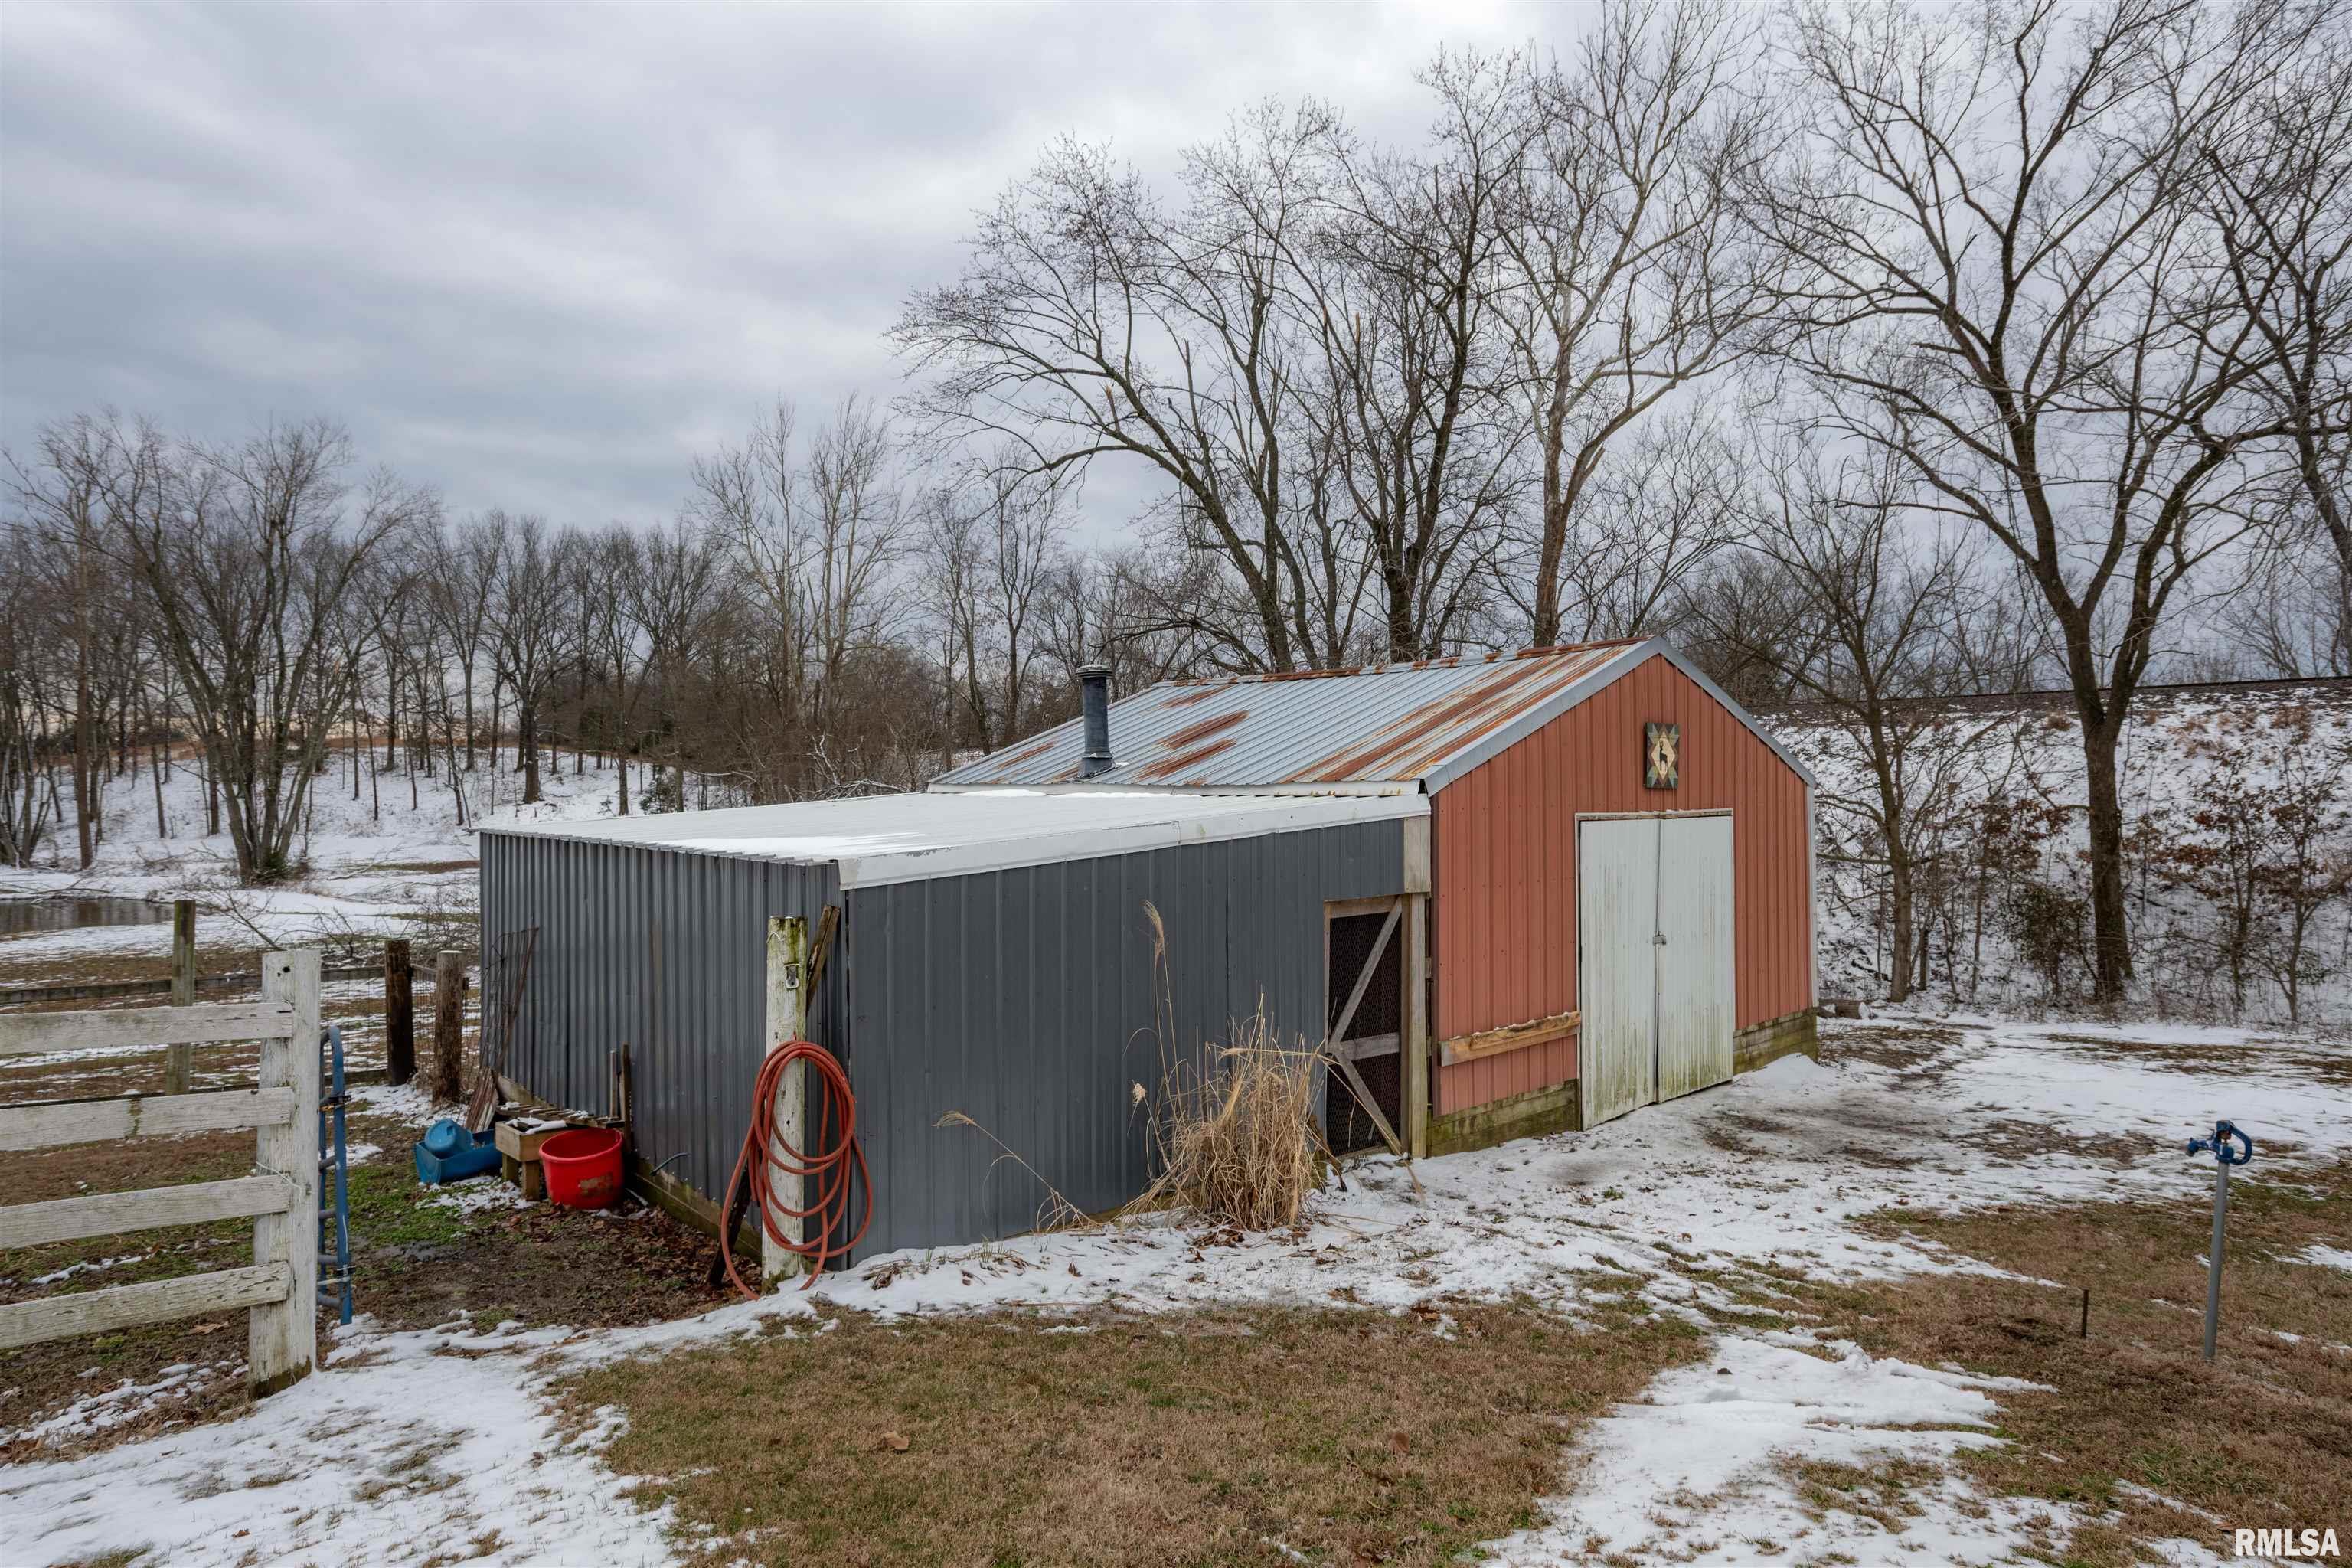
[(1509, 1038)]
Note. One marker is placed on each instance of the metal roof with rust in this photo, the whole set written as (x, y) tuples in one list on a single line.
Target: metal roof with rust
[(1427, 721)]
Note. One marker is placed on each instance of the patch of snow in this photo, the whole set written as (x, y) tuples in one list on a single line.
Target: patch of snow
[(2325, 1256), (406, 1102), (477, 1194), (1700, 1457), (126, 1401), (71, 1269), (403, 1445)]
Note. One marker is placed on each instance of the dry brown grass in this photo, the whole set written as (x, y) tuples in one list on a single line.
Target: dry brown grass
[(1196, 1438), (1235, 1138), (2264, 1438), (1235, 1135)]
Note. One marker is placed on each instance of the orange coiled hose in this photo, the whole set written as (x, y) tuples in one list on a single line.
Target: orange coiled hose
[(771, 1162)]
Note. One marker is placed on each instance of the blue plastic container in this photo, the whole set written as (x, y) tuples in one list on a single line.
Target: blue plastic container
[(449, 1153)]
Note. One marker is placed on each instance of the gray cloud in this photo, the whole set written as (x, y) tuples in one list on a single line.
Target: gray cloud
[(540, 257)]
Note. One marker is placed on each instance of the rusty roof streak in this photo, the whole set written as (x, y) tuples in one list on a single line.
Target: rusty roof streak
[(1396, 739), (1494, 721), (1193, 734), (1161, 772), (1185, 698)]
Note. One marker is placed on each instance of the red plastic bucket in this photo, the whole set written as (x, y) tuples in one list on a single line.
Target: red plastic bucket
[(582, 1167)]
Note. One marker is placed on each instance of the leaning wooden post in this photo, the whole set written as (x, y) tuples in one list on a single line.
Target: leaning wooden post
[(282, 1338), (449, 1026), (180, 1061), (399, 1013), (787, 960)]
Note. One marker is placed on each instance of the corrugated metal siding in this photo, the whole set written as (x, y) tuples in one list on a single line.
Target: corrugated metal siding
[(1022, 998), (664, 950), (1395, 722), (1504, 846)]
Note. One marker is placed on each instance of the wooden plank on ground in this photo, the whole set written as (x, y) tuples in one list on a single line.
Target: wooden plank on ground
[(149, 1208), (1509, 1038), (128, 1306), (141, 1116), (37, 1033)]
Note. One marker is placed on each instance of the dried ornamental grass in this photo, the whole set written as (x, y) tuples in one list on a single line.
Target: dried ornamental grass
[(1234, 1138)]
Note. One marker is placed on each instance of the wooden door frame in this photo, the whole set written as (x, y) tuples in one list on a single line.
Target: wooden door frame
[(1413, 1012)]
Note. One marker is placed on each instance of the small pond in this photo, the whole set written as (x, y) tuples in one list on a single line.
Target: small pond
[(23, 917)]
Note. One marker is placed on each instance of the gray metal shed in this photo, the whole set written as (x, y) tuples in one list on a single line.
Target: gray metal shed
[(993, 958)]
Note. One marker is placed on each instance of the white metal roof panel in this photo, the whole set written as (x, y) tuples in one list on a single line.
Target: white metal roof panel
[(884, 838)]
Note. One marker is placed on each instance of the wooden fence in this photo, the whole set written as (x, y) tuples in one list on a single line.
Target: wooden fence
[(279, 1290)]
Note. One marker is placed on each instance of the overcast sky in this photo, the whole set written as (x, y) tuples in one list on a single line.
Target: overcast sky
[(539, 257)]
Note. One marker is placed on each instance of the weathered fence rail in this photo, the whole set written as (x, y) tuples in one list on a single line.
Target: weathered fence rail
[(281, 1195), (101, 990)]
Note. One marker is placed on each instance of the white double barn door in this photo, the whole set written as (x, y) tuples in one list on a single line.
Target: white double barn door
[(1654, 959)]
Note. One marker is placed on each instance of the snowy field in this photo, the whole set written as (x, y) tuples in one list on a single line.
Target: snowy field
[(376, 863), (408, 1442)]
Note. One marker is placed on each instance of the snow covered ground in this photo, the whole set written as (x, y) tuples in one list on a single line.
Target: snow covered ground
[(2182, 750), (408, 1444), (412, 1444)]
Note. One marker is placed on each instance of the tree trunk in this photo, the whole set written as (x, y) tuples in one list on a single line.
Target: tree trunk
[(526, 742), (2110, 938), (85, 768), (1900, 895)]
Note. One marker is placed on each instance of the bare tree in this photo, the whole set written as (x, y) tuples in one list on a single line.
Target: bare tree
[(245, 552), (1890, 599), (2282, 203), (1630, 274), (1092, 321), (2014, 293), (28, 648), (1402, 297), (1648, 522), (671, 590), (532, 626)]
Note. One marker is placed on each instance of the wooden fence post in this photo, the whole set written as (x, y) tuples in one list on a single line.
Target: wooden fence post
[(282, 1339), (787, 962), (180, 1061), (399, 1013), (449, 1026)]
